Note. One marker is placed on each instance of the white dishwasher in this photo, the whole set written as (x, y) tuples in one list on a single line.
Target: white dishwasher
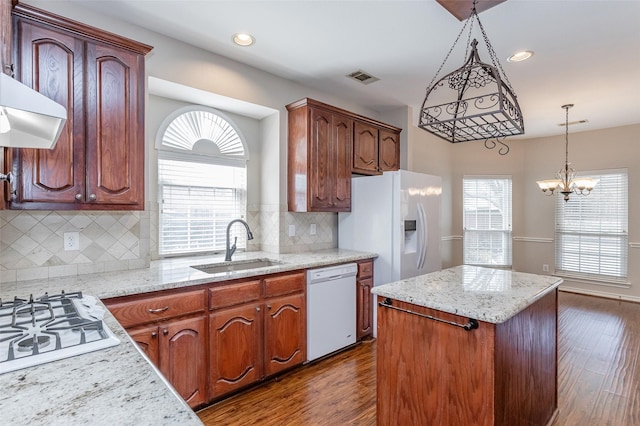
[(331, 309)]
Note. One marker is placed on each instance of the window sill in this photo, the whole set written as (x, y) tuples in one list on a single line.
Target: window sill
[(602, 281)]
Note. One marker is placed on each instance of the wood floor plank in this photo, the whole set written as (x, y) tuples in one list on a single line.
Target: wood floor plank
[(598, 377)]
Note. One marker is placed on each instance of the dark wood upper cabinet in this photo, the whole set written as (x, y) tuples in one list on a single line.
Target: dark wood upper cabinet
[(365, 149), (98, 162), (328, 144), (319, 158)]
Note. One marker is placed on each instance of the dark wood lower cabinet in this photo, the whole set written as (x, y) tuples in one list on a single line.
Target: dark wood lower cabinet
[(432, 373), (285, 333), (235, 351), (214, 339), (177, 348)]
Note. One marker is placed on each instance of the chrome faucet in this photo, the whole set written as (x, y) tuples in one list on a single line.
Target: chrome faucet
[(230, 249)]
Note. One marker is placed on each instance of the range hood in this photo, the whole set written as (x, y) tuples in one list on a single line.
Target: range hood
[(28, 119)]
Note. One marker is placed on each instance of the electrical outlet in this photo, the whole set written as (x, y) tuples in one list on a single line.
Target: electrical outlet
[(312, 229), (292, 230), (545, 268), (71, 241)]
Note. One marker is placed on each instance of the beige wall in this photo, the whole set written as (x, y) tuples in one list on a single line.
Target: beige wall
[(533, 213)]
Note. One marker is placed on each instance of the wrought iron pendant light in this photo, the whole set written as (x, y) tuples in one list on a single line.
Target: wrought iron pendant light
[(474, 102), (566, 182)]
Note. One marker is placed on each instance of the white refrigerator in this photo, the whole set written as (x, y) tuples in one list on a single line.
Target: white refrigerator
[(397, 216)]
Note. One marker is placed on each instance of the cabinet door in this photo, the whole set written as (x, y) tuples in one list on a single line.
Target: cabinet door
[(341, 172), (183, 357), (364, 308), (320, 147), (146, 338), (389, 158), (285, 333), (50, 62), (5, 36), (234, 347), (365, 149), (115, 117)]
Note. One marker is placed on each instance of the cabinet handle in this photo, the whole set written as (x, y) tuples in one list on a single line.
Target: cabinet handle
[(165, 332), (78, 197), (269, 307), (155, 311), (154, 335), (92, 197), (258, 309)]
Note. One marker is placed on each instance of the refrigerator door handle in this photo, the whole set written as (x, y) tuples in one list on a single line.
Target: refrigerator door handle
[(422, 236)]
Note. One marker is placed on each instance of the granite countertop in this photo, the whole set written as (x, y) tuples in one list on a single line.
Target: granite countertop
[(118, 385), (485, 294)]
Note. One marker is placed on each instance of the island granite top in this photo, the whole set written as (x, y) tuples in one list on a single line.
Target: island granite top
[(484, 294), (118, 385)]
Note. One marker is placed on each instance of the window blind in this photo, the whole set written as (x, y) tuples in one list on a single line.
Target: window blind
[(592, 231), (197, 201), (487, 220)]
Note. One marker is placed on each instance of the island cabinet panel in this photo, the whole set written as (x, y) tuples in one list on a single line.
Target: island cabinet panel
[(434, 373), (98, 161), (526, 364)]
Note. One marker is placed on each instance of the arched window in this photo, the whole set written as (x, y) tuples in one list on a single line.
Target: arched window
[(202, 181)]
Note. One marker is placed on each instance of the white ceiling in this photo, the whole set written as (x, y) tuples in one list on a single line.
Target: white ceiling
[(587, 52)]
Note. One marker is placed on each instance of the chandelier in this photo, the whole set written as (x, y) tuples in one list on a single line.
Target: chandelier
[(474, 102), (566, 182)]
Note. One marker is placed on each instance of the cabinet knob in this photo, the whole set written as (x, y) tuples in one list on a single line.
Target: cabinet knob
[(92, 197), (154, 335), (258, 309), (165, 332), (269, 307), (78, 197)]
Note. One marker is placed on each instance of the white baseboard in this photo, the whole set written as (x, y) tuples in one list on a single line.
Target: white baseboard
[(599, 294)]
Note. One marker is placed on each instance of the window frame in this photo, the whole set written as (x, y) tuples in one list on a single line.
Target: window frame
[(505, 232), (190, 156), (597, 206)]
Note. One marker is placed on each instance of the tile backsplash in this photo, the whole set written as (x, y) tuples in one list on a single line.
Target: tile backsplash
[(31, 242)]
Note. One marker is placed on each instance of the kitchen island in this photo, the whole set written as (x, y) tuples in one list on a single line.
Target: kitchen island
[(118, 385), (467, 345)]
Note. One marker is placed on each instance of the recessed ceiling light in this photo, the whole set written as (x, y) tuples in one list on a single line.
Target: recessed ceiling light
[(243, 39), (520, 56)]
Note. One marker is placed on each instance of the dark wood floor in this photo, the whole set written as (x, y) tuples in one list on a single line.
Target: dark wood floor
[(598, 377)]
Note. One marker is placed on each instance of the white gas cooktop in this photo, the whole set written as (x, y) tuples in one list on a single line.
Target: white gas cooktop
[(38, 330)]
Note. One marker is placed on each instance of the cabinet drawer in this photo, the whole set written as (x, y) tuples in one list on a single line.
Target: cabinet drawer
[(365, 269), (157, 308), (284, 284), (234, 294)]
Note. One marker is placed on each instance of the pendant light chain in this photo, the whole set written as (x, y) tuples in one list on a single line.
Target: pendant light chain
[(566, 134)]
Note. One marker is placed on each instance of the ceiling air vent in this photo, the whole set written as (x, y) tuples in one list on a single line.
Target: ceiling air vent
[(363, 77)]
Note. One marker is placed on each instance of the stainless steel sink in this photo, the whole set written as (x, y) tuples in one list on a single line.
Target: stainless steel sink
[(237, 265)]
